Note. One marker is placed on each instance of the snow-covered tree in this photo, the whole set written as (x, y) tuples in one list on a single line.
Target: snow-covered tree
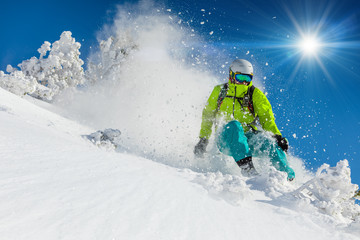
[(62, 68), (332, 192), (16, 82)]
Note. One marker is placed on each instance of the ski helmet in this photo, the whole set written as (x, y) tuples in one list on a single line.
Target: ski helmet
[(242, 66)]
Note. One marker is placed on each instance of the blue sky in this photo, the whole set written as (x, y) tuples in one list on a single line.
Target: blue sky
[(27, 24), (315, 98)]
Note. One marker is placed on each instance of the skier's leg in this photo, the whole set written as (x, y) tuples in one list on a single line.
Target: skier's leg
[(279, 160), (261, 145), (232, 141)]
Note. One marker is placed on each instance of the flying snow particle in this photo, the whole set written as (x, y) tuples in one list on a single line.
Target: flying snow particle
[(294, 135), (247, 53), (202, 23), (266, 64), (211, 33)]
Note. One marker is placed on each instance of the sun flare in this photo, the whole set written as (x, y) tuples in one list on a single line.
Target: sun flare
[(309, 45)]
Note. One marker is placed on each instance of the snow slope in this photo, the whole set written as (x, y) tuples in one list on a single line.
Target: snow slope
[(55, 184)]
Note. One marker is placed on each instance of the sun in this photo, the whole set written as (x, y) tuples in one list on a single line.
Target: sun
[(314, 44), (309, 45)]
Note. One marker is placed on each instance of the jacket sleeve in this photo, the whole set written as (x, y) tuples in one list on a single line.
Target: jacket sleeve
[(262, 108), (209, 113)]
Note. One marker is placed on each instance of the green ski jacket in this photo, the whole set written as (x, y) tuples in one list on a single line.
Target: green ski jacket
[(232, 108)]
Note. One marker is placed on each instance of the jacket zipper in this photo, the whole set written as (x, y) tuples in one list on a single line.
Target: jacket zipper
[(234, 104)]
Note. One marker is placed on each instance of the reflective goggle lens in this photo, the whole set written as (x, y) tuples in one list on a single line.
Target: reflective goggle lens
[(240, 77)]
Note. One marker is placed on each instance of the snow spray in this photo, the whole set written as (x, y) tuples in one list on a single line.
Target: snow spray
[(150, 79), (154, 92)]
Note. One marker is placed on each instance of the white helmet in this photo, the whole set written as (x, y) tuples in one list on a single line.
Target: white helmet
[(242, 66)]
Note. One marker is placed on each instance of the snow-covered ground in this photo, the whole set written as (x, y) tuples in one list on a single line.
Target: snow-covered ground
[(56, 184)]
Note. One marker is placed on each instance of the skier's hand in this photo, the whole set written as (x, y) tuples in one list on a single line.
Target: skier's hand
[(200, 147), (282, 142)]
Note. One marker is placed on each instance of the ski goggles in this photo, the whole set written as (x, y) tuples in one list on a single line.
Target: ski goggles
[(240, 77)]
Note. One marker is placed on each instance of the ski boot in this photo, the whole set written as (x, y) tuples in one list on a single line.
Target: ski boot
[(247, 166)]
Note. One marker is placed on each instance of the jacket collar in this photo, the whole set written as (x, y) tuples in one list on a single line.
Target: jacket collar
[(238, 88)]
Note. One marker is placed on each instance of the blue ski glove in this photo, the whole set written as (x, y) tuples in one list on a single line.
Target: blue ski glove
[(200, 147)]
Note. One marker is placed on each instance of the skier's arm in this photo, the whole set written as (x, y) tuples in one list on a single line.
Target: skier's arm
[(264, 111), (209, 113)]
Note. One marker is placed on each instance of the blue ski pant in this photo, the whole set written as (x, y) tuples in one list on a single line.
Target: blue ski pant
[(233, 141)]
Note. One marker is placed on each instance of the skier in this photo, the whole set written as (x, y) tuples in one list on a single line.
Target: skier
[(234, 108)]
